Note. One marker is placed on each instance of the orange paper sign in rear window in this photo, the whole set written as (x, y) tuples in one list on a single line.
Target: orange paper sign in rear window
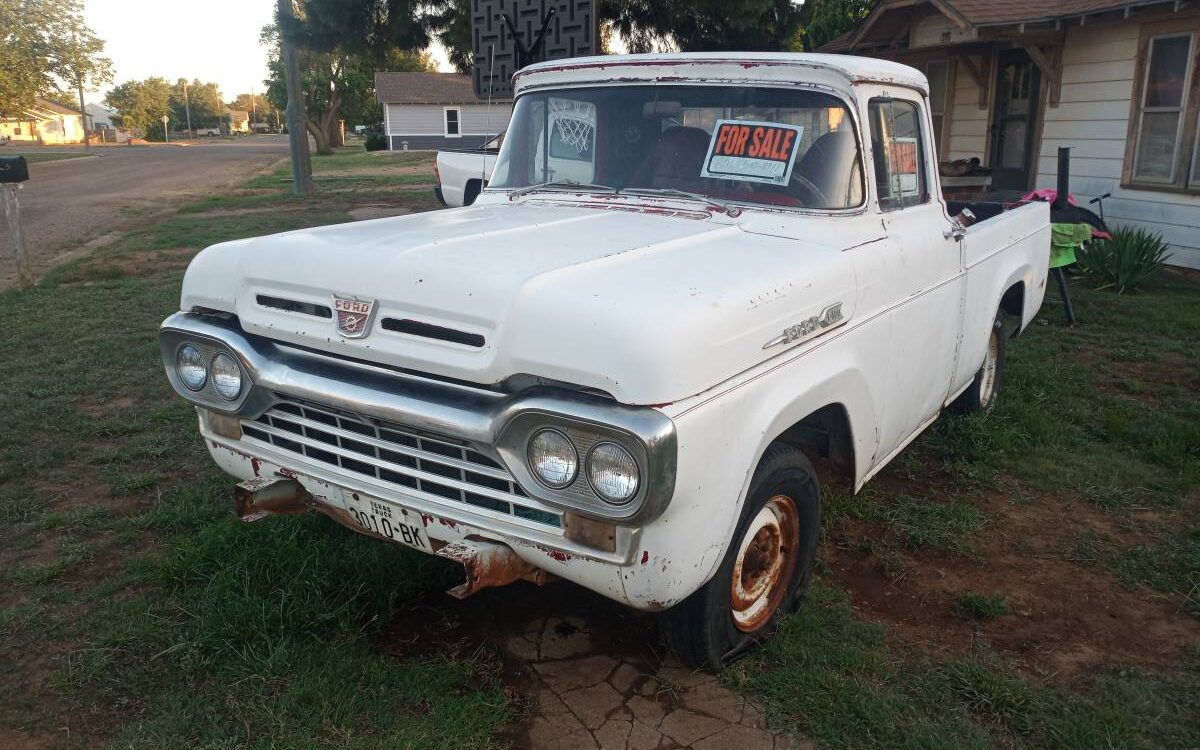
[(752, 151)]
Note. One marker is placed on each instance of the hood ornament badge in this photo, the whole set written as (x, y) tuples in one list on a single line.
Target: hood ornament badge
[(830, 317), (353, 316)]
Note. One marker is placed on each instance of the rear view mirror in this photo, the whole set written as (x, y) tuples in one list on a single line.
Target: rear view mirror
[(659, 109)]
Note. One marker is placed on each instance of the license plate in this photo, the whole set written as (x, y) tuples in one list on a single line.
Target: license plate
[(387, 521)]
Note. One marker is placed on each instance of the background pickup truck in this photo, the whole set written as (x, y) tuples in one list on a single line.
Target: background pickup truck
[(691, 277), (462, 175)]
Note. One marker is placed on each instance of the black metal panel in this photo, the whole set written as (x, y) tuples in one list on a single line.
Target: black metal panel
[(13, 169), (571, 30)]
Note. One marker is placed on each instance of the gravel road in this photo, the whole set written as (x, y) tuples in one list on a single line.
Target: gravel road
[(70, 203)]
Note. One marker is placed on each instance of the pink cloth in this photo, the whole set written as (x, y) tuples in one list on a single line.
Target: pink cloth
[(1048, 194)]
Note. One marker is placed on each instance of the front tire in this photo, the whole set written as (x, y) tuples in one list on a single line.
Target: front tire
[(985, 388), (765, 572)]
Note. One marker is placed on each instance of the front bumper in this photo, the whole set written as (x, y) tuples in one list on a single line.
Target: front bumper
[(382, 428)]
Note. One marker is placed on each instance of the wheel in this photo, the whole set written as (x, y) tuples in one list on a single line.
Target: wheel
[(985, 388), (765, 572), (471, 192)]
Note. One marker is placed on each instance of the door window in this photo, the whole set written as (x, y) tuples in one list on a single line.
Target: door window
[(899, 153)]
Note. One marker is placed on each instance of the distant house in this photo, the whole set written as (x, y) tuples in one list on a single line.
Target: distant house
[(437, 111), (99, 117), (46, 122), (239, 120), (1118, 81)]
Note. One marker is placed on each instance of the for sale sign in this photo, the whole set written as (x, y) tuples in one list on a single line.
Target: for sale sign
[(752, 151)]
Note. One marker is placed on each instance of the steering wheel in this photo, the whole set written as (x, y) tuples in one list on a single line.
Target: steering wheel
[(807, 184)]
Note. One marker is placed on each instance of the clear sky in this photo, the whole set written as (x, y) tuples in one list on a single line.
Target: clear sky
[(213, 40)]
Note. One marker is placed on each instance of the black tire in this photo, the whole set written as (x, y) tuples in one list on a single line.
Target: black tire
[(985, 388), (471, 192), (702, 629)]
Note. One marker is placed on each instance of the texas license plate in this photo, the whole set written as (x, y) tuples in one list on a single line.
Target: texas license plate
[(387, 521)]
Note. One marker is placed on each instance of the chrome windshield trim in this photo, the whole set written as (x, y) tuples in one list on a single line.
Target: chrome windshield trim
[(492, 422)]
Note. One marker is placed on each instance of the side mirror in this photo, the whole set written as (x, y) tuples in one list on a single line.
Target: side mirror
[(13, 169)]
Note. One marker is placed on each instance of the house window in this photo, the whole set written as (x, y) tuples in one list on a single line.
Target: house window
[(17, 128), (938, 73), (1164, 122), (452, 128), (899, 153)]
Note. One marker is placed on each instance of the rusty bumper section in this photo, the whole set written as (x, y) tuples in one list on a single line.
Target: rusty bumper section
[(486, 563)]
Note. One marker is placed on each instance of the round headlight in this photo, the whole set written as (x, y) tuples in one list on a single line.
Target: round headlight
[(189, 365), (552, 459), (227, 376), (613, 473)]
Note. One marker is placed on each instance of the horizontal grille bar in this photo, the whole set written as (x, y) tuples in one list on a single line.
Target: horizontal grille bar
[(396, 457)]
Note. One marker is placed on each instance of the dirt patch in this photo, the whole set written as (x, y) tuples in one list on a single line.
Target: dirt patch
[(12, 739), (134, 265), (1064, 619)]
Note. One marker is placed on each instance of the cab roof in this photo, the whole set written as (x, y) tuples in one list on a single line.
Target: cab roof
[(715, 67)]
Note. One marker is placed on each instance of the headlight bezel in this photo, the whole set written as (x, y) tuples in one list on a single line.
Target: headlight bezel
[(646, 434), (172, 342)]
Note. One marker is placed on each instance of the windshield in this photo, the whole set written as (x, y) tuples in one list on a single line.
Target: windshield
[(783, 147)]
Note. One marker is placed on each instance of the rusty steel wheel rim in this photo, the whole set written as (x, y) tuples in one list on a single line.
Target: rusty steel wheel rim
[(765, 557)]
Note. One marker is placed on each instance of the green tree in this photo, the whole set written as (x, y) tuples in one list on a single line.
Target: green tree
[(822, 21), (205, 102), (702, 25), (140, 105), (46, 49), (337, 85), (450, 24)]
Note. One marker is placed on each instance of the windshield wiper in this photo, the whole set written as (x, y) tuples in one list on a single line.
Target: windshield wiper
[(559, 185), (729, 209)]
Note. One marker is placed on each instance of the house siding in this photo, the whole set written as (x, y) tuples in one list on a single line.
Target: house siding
[(423, 126), (1092, 118), (1099, 66)]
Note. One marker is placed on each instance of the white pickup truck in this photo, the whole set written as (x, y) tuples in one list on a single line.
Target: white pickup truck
[(463, 174), (622, 377)]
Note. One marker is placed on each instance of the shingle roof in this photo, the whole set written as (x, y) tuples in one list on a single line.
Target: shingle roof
[(973, 13), (48, 106), (424, 88), (990, 12)]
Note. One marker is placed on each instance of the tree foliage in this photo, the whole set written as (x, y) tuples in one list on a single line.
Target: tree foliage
[(140, 105), (204, 101), (702, 25), (822, 21), (46, 49), (337, 85)]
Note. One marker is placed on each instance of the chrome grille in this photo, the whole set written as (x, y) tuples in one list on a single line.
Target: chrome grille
[(397, 457)]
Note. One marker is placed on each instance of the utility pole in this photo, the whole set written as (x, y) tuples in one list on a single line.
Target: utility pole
[(187, 107), (302, 183)]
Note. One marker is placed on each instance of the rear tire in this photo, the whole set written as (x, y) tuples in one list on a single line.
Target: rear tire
[(985, 388), (471, 192), (765, 572)]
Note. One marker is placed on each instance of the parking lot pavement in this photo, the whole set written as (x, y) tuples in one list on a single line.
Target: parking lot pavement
[(69, 206)]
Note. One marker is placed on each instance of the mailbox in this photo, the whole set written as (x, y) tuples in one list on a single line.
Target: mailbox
[(13, 169)]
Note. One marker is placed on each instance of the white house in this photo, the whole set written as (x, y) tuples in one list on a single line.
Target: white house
[(1118, 81), (45, 122), (437, 111), (100, 117)]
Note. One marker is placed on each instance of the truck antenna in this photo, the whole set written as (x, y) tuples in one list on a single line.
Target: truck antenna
[(488, 123)]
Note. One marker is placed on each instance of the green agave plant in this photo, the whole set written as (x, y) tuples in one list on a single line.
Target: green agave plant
[(1125, 261)]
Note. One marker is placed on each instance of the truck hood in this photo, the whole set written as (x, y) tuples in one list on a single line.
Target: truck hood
[(648, 307)]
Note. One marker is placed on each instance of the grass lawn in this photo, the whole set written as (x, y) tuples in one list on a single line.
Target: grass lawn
[(34, 157), (1024, 579)]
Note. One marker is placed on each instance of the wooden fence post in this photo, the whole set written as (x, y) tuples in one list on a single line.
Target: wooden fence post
[(12, 214)]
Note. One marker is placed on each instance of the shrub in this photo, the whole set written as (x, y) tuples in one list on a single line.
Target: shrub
[(1125, 261), (376, 142)]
